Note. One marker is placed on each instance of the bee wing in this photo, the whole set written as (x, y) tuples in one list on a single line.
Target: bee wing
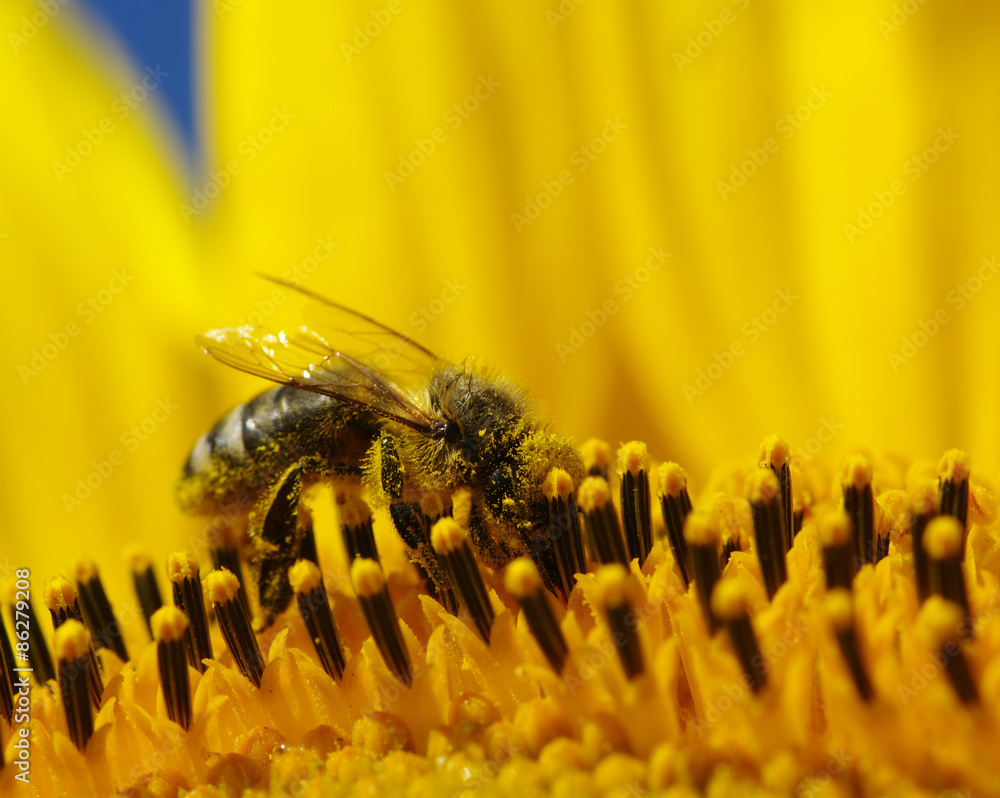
[(372, 366)]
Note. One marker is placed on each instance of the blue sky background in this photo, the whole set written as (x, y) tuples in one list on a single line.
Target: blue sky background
[(158, 32)]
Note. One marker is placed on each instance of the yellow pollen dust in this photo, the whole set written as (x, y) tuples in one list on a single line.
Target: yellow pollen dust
[(671, 479), (432, 505), (558, 484), (521, 578), (60, 593), (594, 494), (633, 457), (367, 577), (169, 624), (954, 465), (85, 570), (611, 580), (305, 576), (762, 486), (943, 538), (939, 619), (839, 604), (447, 536), (701, 530), (353, 511), (774, 452), (72, 641), (181, 566), (596, 455), (729, 600), (857, 471), (221, 586), (834, 528), (137, 559)]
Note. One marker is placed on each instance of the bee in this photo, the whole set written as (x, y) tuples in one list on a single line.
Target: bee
[(365, 407)]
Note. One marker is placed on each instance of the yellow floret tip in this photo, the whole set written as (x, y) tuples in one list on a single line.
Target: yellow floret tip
[(221, 586), (594, 494), (305, 576), (169, 624), (633, 457), (72, 641)]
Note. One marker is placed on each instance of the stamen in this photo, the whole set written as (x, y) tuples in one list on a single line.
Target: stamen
[(597, 458), (702, 537), (763, 493), (953, 482), (452, 544), (564, 523), (146, 589), (633, 474), (226, 555), (944, 546), (924, 508), (432, 508), (373, 593), (222, 589), (7, 665), (523, 581), (838, 549), (601, 521), (943, 621), (101, 620), (182, 571), (39, 658), (840, 609), (314, 607), (729, 605), (74, 652), (356, 528), (671, 487), (774, 454), (624, 631), (170, 633), (61, 599), (859, 503)]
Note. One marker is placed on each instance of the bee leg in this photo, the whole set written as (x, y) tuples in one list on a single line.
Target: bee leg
[(412, 525), (493, 553), (284, 538)]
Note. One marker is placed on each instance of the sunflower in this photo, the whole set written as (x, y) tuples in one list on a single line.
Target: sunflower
[(690, 226)]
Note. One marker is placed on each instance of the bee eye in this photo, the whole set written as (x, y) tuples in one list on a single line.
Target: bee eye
[(453, 432)]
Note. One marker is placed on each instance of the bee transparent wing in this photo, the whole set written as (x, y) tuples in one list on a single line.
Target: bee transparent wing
[(371, 366)]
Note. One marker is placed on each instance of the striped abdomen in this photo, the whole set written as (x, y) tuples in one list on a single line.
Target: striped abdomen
[(250, 447)]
